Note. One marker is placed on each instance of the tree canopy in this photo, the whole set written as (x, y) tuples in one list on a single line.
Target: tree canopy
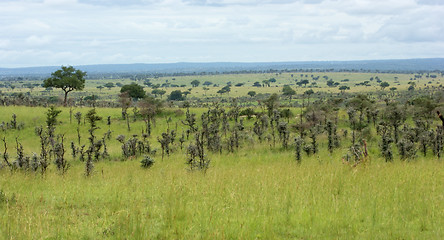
[(288, 91), (134, 90), (176, 95), (383, 85), (68, 79), (195, 83)]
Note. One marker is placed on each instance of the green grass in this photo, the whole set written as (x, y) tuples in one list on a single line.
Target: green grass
[(255, 193), (252, 194), (400, 81)]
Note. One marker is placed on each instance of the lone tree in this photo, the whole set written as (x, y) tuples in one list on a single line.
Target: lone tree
[(195, 83), (288, 91), (176, 95), (251, 93), (109, 85), (68, 79), (134, 90), (383, 85)]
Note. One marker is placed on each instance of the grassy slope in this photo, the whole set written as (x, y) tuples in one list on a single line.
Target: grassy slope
[(254, 193)]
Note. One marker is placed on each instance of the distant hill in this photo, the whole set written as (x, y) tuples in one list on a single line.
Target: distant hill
[(402, 65)]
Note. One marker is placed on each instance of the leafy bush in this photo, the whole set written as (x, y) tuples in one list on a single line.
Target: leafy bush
[(147, 162)]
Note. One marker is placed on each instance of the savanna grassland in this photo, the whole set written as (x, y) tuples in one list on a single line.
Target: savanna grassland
[(254, 186), (241, 84)]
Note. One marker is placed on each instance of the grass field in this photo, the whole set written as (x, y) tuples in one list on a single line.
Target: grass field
[(399, 81), (269, 197), (258, 192)]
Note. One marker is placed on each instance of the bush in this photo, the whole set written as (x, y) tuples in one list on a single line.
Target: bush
[(147, 162)]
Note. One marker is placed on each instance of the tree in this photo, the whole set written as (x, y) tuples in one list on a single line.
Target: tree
[(134, 90), (305, 82), (288, 91), (149, 107), (225, 89), (205, 90), (383, 85), (195, 83), (257, 84), (68, 79), (176, 95), (109, 85), (158, 92), (271, 103), (207, 83), (343, 88), (251, 93), (308, 93), (125, 103), (330, 83)]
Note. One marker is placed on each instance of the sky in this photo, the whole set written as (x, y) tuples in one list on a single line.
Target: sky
[(83, 32)]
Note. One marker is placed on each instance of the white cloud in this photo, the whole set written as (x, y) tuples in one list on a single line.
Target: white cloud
[(98, 31)]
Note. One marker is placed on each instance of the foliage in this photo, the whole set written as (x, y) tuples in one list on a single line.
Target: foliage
[(288, 91), (176, 95), (68, 79), (134, 90), (195, 83), (147, 162)]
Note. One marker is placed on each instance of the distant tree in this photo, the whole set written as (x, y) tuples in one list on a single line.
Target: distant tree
[(305, 82), (251, 93), (207, 83), (272, 80), (68, 79), (257, 84), (149, 107), (393, 89), (225, 89), (195, 83), (288, 91), (125, 103), (271, 103), (176, 95), (158, 92), (205, 90), (100, 88), (330, 83), (309, 92), (383, 85), (343, 88), (109, 85), (147, 83), (134, 90), (91, 98)]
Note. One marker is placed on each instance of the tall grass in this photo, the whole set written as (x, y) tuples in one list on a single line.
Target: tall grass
[(273, 198), (255, 193)]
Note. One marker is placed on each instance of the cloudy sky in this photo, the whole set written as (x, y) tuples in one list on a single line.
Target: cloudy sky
[(79, 32)]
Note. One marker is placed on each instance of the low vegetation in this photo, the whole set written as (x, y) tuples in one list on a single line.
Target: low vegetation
[(291, 160)]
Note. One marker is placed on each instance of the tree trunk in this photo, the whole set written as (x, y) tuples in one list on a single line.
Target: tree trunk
[(66, 97)]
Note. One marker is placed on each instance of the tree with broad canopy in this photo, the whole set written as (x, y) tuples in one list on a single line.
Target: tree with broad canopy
[(68, 79)]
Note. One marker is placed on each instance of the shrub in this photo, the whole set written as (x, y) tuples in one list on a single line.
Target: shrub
[(147, 162)]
